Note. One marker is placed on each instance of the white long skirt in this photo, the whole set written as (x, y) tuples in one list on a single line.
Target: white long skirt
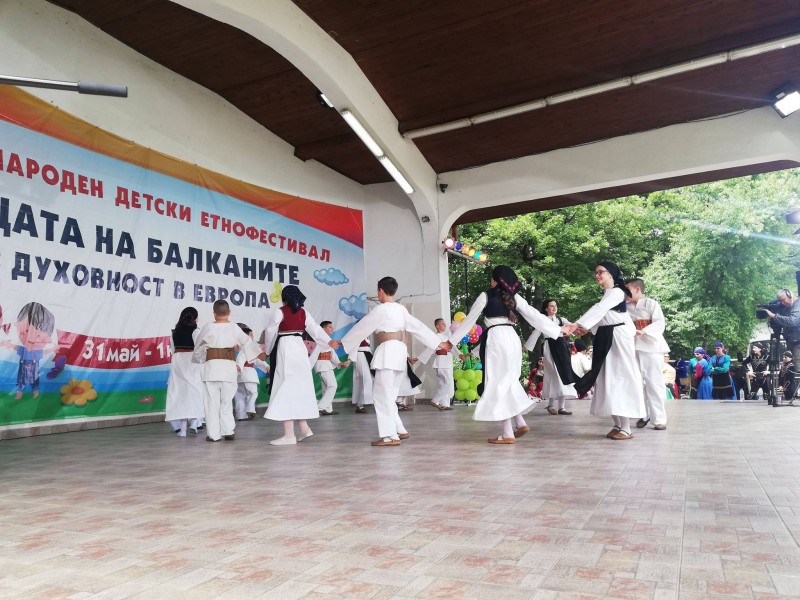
[(293, 395), (362, 381), (503, 396), (184, 388), (618, 389), (552, 388)]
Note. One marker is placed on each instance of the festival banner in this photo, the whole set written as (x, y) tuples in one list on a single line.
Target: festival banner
[(104, 242)]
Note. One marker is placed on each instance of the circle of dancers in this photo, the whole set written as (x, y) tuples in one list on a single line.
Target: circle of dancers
[(213, 382)]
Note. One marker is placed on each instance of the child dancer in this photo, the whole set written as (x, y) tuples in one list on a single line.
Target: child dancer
[(553, 389), (185, 383), (389, 321), (502, 397), (648, 318), (215, 347), (244, 402), (292, 396), (325, 360), (617, 381), (444, 368), (362, 378)]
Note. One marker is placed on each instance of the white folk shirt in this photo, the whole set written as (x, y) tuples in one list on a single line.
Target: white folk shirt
[(320, 366), (442, 361), (536, 319), (652, 337), (389, 317), (248, 374), (222, 335)]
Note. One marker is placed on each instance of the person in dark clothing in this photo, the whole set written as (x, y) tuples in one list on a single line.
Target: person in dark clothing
[(786, 378)]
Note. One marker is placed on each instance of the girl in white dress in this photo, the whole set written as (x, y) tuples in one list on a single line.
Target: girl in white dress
[(185, 383), (553, 389), (292, 395), (502, 397), (615, 372)]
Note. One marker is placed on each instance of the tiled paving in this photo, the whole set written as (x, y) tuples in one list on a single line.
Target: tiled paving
[(709, 508)]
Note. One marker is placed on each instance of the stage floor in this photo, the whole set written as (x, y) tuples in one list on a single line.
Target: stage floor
[(708, 508)]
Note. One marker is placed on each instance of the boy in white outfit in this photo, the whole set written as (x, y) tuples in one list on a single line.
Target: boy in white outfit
[(244, 402), (651, 346), (324, 361), (444, 368), (389, 321), (215, 347)]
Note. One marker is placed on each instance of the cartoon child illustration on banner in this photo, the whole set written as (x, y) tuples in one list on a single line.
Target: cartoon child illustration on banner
[(35, 328)]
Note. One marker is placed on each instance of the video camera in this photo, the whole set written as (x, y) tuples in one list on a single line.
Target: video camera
[(773, 306)]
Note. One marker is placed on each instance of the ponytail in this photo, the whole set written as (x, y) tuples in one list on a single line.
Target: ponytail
[(511, 304)]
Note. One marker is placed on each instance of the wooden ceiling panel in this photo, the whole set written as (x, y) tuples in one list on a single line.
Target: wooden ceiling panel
[(437, 61), (456, 58), (701, 94)]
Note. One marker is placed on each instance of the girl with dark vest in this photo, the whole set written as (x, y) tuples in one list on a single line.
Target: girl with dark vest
[(615, 374), (502, 397), (185, 384), (292, 395)]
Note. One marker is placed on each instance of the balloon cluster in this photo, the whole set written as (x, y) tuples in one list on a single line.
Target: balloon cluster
[(467, 384), (474, 334), (464, 250)]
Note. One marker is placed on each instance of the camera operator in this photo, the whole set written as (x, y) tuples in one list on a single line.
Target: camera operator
[(788, 319)]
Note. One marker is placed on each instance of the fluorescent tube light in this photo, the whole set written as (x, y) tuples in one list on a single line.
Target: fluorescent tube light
[(589, 91), (771, 46), (359, 130), (397, 175), (685, 67)]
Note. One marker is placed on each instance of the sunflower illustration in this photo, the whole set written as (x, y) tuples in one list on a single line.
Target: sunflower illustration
[(78, 393)]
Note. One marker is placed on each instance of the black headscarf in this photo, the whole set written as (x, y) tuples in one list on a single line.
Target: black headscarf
[(619, 282), (292, 296), (506, 279)]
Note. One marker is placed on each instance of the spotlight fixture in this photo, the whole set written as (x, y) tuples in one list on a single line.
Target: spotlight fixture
[(425, 219), (787, 101), (463, 250)]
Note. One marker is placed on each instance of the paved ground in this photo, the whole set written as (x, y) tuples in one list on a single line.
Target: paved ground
[(708, 508)]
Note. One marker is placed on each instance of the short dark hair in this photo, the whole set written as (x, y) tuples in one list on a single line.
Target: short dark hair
[(222, 308), (637, 283), (324, 324), (388, 285), (38, 316), (436, 321)]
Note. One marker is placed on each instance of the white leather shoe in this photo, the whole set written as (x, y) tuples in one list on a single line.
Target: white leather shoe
[(305, 435), (284, 441)]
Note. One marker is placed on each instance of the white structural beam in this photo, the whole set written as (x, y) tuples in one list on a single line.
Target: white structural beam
[(754, 137), (285, 28)]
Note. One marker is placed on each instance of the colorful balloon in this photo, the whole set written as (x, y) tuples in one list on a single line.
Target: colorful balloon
[(459, 316), (461, 395), (462, 384), (471, 395), (458, 374), (479, 366), (478, 330), (465, 339), (453, 327), (468, 375)]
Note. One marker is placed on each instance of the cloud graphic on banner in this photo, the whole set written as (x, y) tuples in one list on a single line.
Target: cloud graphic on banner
[(354, 306), (330, 276)]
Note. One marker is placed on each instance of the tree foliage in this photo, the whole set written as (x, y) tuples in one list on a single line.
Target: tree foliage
[(708, 253)]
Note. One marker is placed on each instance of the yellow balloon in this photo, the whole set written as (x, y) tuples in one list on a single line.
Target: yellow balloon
[(459, 316)]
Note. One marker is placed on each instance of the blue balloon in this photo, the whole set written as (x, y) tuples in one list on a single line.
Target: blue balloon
[(479, 366), (465, 339), (459, 245)]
